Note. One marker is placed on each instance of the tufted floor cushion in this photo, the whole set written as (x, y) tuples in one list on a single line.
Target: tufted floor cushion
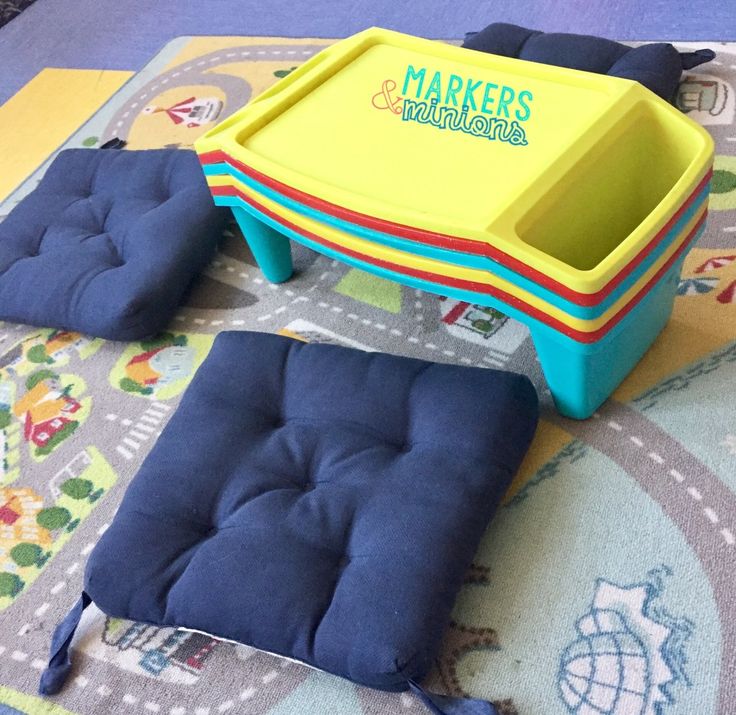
[(318, 502), (108, 242), (657, 66)]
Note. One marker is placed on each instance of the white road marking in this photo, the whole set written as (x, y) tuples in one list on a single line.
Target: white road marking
[(155, 414), (41, 609), (711, 515), (493, 361), (124, 452), (407, 701), (678, 477), (694, 493)]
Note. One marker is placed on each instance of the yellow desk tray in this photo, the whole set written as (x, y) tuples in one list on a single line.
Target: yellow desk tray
[(568, 172)]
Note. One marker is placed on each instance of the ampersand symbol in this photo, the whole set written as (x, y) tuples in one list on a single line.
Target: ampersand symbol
[(384, 100)]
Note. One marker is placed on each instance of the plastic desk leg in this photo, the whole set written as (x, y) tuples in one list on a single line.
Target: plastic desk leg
[(271, 249), (581, 377)]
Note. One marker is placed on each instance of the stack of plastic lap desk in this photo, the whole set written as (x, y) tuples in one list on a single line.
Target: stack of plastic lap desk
[(565, 199)]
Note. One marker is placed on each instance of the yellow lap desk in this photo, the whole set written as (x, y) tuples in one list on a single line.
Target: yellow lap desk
[(568, 188)]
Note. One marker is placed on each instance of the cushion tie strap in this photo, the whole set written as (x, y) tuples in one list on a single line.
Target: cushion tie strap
[(699, 57), (55, 675), (449, 705), (57, 671)]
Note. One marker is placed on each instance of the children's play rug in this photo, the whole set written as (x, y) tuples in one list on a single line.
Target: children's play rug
[(607, 582)]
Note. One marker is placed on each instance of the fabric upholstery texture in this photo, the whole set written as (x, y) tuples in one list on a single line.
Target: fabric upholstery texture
[(317, 502), (657, 66), (108, 242)]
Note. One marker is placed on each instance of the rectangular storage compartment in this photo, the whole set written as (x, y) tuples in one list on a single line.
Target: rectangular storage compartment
[(599, 203)]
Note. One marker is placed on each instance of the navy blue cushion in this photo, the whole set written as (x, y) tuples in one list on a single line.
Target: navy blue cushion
[(317, 502), (108, 242), (657, 66)]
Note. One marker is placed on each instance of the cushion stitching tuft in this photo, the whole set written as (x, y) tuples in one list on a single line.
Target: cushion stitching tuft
[(313, 635), (293, 345), (167, 182), (366, 429), (408, 422), (176, 521)]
